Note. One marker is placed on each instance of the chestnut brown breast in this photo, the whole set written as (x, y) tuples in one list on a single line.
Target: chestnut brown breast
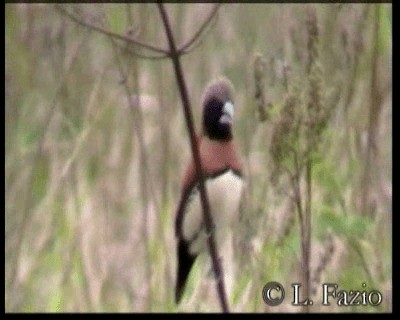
[(215, 156)]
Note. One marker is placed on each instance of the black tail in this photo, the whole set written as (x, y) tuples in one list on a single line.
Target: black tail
[(185, 263)]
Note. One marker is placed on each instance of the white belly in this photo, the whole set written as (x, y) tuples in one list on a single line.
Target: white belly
[(224, 193)]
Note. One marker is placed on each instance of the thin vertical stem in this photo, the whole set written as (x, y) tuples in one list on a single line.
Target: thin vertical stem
[(374, 115), (175, 57), (304, 221), (144, 172), (164, 115), (307, 249), (145, 179)]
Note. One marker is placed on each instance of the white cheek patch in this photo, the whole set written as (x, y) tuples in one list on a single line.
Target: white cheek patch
[(228, 108)]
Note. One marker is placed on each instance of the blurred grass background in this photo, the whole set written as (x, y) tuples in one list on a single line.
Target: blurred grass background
[(92, 179)]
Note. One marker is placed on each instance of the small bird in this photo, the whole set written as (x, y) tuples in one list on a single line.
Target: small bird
[(222, 171)]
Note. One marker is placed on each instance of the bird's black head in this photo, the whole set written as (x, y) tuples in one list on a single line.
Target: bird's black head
[(218, 110)]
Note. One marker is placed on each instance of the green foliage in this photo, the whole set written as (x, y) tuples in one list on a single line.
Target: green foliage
[(40, 178), (274, 109), (385, 28), (327, 176), (276, 262), (343, 225), (290, 246), (12, 22), (93, 170), (53, 261), (165, 214), (56, 303), (241, 284), (352, 279), (78, 272), (116, 17)]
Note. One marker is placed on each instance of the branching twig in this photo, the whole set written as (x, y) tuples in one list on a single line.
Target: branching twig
[(175, 57), (186, 47), (198, 43), (190, 45), (134, 53), (110, 33)]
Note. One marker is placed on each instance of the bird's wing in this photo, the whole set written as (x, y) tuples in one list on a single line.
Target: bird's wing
[(185, 263), (185, 258)]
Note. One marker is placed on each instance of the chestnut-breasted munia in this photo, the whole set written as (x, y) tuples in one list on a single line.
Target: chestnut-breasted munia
[(222, 172)]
